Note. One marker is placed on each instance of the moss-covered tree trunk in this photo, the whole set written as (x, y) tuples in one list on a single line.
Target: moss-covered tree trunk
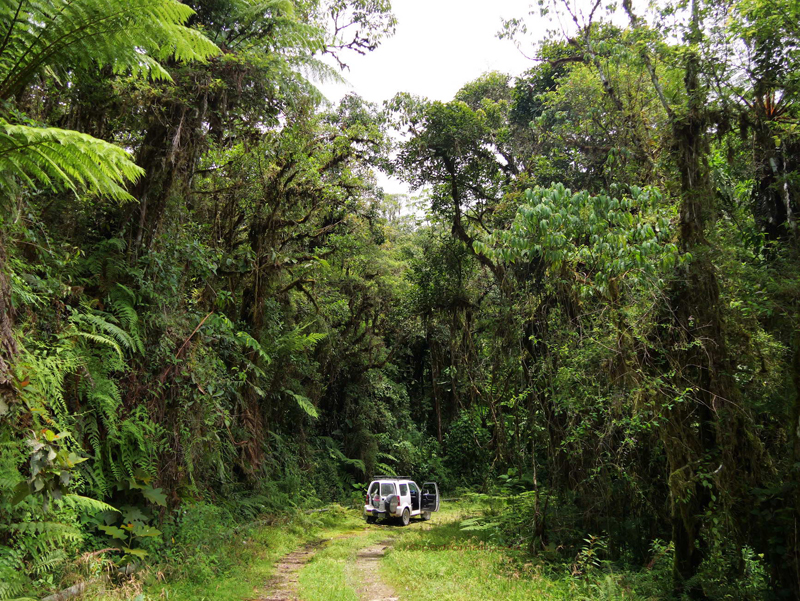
[(8, 342), (697, 348)]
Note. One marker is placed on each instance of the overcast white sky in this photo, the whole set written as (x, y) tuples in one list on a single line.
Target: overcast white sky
[(439, 46)]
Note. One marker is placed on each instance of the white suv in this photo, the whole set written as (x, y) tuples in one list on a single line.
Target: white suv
[(400, 497)]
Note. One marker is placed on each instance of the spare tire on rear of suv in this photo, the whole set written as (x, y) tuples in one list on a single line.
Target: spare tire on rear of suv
[(392, 501)]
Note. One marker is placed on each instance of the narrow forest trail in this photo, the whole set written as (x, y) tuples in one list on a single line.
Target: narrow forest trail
[(439, 560), (283, 585), (373, 588), (347, 563)]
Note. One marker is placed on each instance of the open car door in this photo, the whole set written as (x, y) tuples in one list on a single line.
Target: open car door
[(430, 497)]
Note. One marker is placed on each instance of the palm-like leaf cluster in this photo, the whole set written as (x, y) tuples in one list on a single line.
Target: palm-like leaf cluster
[(61, 158), (130, 36)]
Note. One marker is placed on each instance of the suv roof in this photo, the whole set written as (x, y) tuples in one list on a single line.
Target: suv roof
[(383, 477)]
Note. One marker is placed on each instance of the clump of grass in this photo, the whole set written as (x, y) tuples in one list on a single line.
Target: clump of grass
[(445, 563)]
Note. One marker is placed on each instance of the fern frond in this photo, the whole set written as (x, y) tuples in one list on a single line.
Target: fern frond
[(131, 36), (47, 561), (106, 401), (101, 340), (9, 481), (249, 342), (64, 160), (386, 469), (88, 504), (122, 302), (122, 338), (48, 531), (304, 403)]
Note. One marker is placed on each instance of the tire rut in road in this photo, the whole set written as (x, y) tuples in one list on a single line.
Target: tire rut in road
[(283, 585), (370, 586)]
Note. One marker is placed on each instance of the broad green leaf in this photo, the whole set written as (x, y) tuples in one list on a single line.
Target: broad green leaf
[(154, 495)]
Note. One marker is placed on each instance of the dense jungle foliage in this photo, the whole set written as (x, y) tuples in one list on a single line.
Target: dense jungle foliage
[(209, 307)]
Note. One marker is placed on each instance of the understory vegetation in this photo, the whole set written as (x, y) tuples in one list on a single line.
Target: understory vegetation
[(212, 316)]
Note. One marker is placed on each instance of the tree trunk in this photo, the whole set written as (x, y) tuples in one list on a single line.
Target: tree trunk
[(8, 342), (698, 349), (437, 403)]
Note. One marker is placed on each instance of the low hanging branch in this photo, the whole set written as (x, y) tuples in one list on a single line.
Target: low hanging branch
[(163, 377)]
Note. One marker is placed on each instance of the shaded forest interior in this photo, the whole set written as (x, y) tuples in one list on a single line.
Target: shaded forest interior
[(591, 307)]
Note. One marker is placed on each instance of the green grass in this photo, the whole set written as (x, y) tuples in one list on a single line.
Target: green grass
[(432, 561), (251, 557), (443, 563), (330, 575)]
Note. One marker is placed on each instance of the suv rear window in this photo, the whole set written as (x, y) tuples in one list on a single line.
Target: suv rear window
[(387, 488), (403, 490)]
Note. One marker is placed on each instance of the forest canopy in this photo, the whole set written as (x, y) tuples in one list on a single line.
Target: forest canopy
[(207, 300)]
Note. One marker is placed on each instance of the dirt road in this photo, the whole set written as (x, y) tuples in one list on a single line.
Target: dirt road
[(361, 569)]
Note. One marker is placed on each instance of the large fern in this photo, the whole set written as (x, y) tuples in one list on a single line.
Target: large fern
[(131, 36), (63, 159), (102, 325), (13, 577)]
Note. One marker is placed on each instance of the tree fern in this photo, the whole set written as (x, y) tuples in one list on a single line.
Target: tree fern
[(131, 36), (62, 159)]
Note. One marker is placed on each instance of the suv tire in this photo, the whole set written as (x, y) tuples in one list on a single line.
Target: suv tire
[(426, 515), (371, 519), (406, 517)]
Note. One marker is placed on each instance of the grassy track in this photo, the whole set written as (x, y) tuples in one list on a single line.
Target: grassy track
[(331, 576), (252, 559), (431, 561)]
